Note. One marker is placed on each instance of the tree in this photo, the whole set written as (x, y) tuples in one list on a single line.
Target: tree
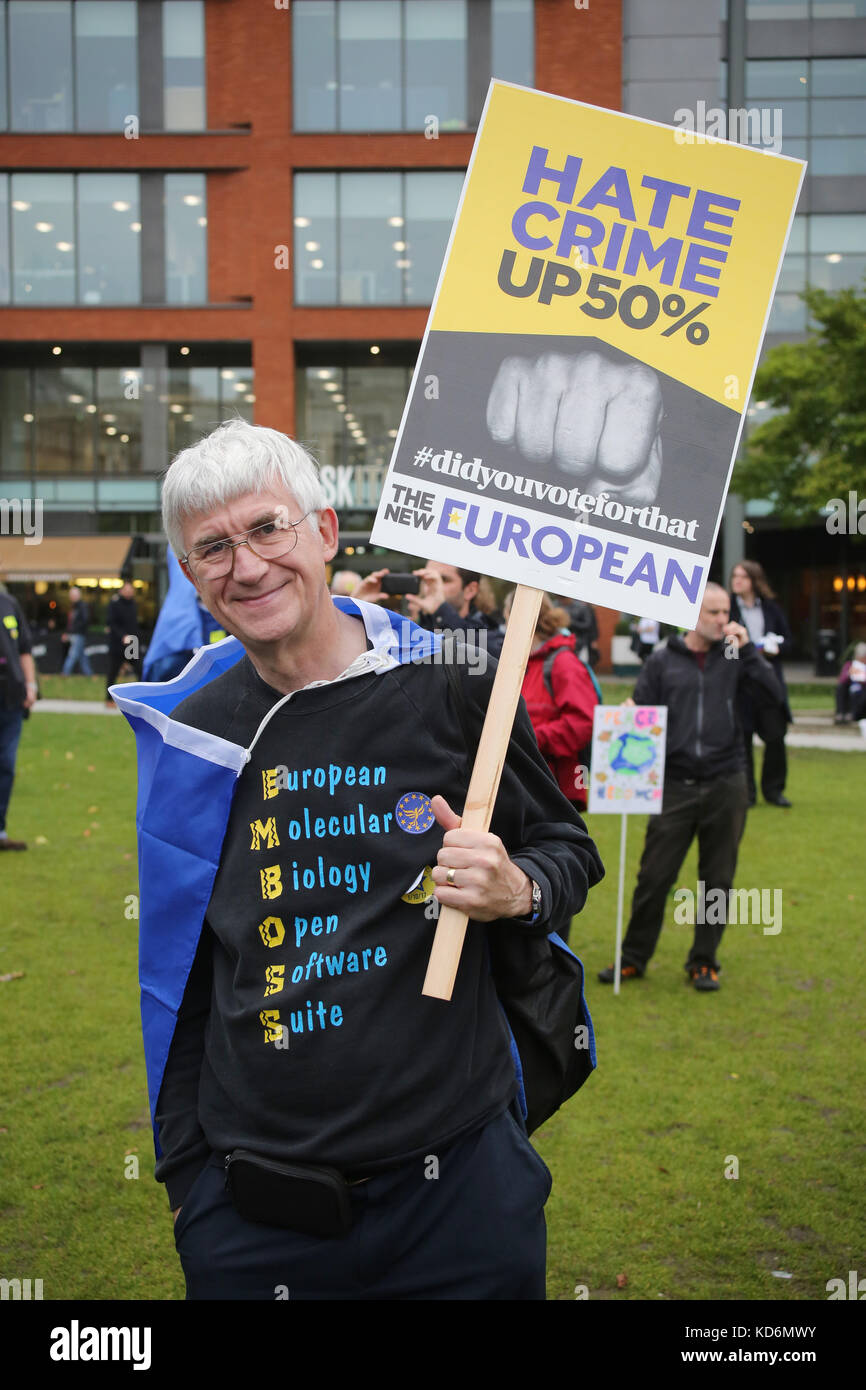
[(814, 449)]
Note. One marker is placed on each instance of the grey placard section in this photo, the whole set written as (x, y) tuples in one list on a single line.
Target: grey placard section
[(150, 88), (154, 407), (697, 437)]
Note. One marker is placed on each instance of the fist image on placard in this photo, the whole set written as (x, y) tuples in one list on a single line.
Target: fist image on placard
[(595, 420)]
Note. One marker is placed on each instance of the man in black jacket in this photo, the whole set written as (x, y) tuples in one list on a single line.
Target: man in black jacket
[(17, 696), (698, 678), (303, 1037), (123, 636)]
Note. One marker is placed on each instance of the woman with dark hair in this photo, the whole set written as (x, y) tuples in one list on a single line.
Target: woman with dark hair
[(753, 604)]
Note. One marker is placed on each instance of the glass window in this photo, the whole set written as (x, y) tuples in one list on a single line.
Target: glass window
[(777, 9), (314, 44), (193, 405), (368, 58), (350, 415), (387, 64), (236, 393), (64, 426), (16, 422), (118, 437), (514, 41), (185, 239), (40, 67), (838, 77), (837, 156), (3, 100), (315, 239), (371, 218), (183, 64), (4, 238), (108, 239), (43, 237), (838, 9), (777, 78), (837, 232), (106, 63), (431, 201), (435, 72)]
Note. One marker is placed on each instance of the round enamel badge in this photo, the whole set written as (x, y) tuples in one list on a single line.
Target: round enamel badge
[(414, 813)]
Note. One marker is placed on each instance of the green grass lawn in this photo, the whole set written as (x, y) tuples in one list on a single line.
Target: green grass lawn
[(771, 1069)]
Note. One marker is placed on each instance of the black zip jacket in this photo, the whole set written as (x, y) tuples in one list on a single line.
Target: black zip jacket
[(704, 737), (122, 619), (313, 927)]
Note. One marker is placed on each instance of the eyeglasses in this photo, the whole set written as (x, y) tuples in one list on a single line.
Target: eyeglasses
[(270, 540)]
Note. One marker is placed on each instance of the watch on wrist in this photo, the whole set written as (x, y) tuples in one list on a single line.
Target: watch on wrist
[(536, 901)]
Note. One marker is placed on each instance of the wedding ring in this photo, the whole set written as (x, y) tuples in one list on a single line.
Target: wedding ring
[(449, 877)]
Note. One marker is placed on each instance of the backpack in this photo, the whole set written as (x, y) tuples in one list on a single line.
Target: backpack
[(585, 754), (539, 981)]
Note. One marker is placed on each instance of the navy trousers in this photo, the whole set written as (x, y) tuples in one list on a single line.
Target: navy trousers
[(474, 1231), (11, 722)]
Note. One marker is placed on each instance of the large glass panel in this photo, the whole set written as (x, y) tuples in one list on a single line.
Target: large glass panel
[(185, 239), (314, 64), (40, 66), (838, 246), (64, 425), (375, 397), (43, 237), (838, 77), (315, 258), (16, 422), (838, 9), (841, 155), (109, 269), (368, 58), (3, 94), (431, 201), (183, 64), (435, 72), (788, 315), (841, 116), (193, 405), (106, 63), (236, 393), (4, 239), (777, 9), (777, 78), (513, 41), (371, 218), (119, 422)]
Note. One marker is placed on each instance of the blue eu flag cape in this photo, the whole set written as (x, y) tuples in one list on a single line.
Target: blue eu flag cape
[(179, 849)]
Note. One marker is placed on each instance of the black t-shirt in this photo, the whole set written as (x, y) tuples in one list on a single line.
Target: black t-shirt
[(15, 640), (304, 1034)]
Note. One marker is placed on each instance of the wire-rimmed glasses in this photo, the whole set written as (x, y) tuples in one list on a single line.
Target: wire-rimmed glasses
[(213, 559)]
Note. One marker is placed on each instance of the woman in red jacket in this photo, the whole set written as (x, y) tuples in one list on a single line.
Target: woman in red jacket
[(560, 697)]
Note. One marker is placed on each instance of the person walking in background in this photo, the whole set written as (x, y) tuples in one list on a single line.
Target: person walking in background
[(753, 604), (705, 791), (76, 635), (646, 633), (561, 694), (583, 623), (18, 693), (124, 638)]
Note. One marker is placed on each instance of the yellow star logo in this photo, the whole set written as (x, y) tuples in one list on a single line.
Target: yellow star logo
[(454, 517)]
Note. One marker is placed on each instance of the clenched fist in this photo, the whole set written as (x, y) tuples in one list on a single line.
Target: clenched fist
[(595, 419)]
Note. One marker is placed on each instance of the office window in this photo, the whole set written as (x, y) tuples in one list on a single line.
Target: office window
[(788, 313), (185, 239), (826, 251), (390, 64), (106, 63), (76, 238), (183, 64), (73, 64), (109, 233), (40, 64), (43, 238), (372, 238), (16, 422), (5, 289), (63, 426), (822, 108), (349, 415)]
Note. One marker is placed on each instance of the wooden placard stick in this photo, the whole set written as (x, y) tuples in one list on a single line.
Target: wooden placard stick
[(484, 784)]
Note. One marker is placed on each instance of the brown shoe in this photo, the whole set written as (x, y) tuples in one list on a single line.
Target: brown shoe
[(6, 843)]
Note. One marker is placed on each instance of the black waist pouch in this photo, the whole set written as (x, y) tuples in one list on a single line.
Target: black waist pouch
[(301, 1197)]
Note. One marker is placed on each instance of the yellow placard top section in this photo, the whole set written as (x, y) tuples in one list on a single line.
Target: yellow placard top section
[(585, 222)]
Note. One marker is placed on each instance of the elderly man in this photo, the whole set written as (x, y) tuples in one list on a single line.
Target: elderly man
[(324, 1130)]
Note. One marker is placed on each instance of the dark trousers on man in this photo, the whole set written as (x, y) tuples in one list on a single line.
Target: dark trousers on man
[(116, 658), (715, 811), (464, 1223), (11, 721)]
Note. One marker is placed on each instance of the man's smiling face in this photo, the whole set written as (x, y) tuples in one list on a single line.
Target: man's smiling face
[(264, 601)]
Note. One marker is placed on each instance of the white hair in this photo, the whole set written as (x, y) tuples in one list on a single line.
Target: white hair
[(236, 458)]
